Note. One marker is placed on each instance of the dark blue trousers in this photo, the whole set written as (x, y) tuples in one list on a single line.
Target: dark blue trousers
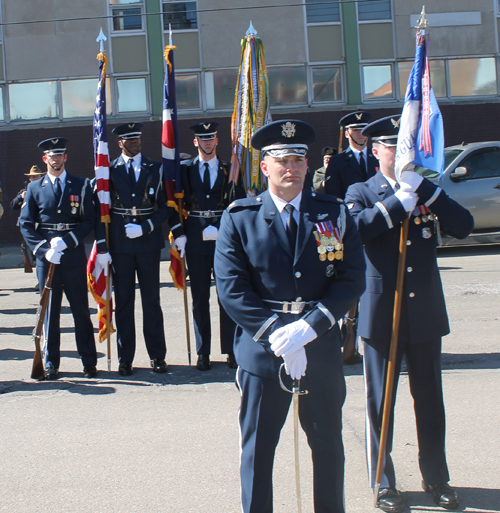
[(424, 371), (147, 267), (200, 276), (263, 411), (73, 281)]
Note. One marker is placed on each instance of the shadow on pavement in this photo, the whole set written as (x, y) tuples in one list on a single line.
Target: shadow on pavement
[(84, 387)]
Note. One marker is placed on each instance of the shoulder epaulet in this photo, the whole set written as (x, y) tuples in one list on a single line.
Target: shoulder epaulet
[(244, 203), (326, 197)]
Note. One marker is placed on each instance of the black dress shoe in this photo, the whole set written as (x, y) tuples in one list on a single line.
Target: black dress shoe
[(203, 363), (390, 500), (231, 361), (125, 369), (51, 372), (159, 365), (443, 495), (89, 371)]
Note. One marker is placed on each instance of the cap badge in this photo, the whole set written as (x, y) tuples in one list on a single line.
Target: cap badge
[(206, 127), (288, 130), (395, 123), (131, 125), (359, 116), (54, 141)]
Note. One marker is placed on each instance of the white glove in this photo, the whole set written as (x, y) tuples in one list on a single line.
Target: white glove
[(180, 245), (296, 364), (408, 199), (290, 338), (57, 244), (410, 180), (132, 231), (104, 260), (53, 256), (210, 233)]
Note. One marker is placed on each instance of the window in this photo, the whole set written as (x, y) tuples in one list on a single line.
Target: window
[(36, 100), (128, 17), (374, 10), (79, 97), (321, 11), (327, 84), (377, 82), (484, 164), (132, 95), (181, 15), (187, 91), (224, 88), (473, 77), (287, 86), (438, 77)]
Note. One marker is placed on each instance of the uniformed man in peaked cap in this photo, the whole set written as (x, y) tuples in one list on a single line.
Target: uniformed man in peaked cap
[(57, 214), (138, 210), (319, 175), (289, 264), (207, 192), (379, 205), (356, 163)]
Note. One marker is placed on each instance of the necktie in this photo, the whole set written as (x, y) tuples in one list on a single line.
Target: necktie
[(362, 164), (131, 171), (291, 226), (58, 190), (206, 177)]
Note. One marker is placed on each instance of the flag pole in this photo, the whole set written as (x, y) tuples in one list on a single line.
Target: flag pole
[(391, 369), (179, 196), (102, 57)]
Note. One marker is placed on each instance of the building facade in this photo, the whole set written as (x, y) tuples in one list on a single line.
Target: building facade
[(324, 57)]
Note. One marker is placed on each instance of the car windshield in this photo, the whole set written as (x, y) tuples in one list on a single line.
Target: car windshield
[(449, 157)]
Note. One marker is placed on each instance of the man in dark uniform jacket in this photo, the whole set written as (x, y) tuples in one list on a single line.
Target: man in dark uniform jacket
[(138, 210), (57, 214), (357, 163), (206, 194), (379, 205), (285, 288)]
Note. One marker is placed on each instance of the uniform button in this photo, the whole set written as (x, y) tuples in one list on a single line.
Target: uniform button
[(134, 220), (412, 294), (299, 299), (298, 275), (208, 195), (409, 269), (408, 242), (133, 195), (58, 211)]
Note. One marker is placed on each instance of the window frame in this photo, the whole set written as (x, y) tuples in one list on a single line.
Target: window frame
[(178, 30)]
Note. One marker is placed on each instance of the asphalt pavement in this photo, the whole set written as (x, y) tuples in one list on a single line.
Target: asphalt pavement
[(170, 443)]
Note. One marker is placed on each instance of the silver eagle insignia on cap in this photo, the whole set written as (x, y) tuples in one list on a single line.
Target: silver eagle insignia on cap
[(395, 123), (288, 129)]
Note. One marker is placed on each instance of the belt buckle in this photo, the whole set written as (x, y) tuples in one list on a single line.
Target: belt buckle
[(207, 214), (133, 211), (61, 227), (297, 307)]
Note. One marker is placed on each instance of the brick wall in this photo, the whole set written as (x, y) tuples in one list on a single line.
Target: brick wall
[(19, 147)]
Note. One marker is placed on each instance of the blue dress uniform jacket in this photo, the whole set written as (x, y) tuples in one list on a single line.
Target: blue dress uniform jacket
[(74, 223), (343, 170), (140, 255), (378, 214), (200, 253), (254, 263)]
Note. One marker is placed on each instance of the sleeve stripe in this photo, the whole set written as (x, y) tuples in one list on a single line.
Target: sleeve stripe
[(437, 192), (151, 224), (327, 312), (38, 245), (382, 209), (74, 238), (264, 327), (174, 227)]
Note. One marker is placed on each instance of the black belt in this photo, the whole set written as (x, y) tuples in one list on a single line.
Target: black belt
[(206, 214), (133, 211), (59, 227), (290, 307)]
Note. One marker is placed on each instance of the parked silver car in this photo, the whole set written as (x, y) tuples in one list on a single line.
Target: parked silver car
[(472, 178)]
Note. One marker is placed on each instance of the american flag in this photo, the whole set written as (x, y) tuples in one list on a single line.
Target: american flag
[(101, 154), (170, 156), (169, 136)]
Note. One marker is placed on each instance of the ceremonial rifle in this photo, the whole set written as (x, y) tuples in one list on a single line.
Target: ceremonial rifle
[(27, 261), (37, 371), (349, 352)]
